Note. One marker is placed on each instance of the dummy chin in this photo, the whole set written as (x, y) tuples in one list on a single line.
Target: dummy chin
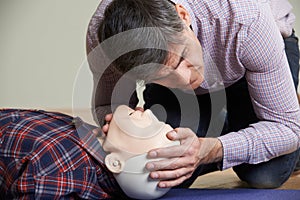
[(131, 135)]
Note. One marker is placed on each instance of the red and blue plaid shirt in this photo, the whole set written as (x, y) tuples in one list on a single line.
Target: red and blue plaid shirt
[(47, 155)]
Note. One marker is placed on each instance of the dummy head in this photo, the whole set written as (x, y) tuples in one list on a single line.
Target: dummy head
[(131, 135)]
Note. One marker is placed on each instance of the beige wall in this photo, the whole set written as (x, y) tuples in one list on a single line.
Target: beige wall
[(42, 48)]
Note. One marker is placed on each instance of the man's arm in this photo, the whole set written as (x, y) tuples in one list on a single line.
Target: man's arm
[(104, 81), (273, 97)]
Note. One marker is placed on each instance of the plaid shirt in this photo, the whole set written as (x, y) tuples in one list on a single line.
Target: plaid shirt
[(241, 39), (46, 155)]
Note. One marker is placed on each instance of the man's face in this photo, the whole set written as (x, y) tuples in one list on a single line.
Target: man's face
[(184, 67)]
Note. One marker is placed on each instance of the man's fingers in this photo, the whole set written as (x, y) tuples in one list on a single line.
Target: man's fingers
[(167, 152), (105, 128), (170, 164), (180, 134), (175, 182), (172, 178), (108, 117), (186, 138), (107, 120)]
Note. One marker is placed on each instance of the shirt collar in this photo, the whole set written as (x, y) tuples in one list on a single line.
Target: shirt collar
[(87, 139)]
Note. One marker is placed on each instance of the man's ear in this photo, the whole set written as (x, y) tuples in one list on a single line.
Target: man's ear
[(183, 14)]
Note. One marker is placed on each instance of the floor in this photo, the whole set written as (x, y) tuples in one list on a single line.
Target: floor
[(228, 180)]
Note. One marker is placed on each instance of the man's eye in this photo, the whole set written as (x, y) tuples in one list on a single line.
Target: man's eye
[(180, 61)]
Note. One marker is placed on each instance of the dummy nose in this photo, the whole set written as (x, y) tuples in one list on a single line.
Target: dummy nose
[(139, 109)]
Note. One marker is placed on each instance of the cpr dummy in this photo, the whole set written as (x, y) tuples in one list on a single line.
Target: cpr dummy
[(131, 135)]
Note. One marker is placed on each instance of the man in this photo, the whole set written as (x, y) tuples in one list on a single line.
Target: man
[(205, 46)]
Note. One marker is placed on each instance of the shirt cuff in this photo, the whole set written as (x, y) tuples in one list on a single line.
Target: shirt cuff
[(235, 149)]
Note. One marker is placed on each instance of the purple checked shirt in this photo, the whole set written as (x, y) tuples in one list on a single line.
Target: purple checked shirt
[(239, 39)]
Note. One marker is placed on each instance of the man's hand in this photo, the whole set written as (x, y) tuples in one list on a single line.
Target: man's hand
[(105, 127), (180, 161)]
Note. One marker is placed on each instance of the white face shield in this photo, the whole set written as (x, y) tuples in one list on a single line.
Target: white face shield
[(131, 135)]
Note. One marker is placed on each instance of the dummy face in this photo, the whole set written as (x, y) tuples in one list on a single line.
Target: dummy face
[(184, 67), (137, 123), (132, 133), (140, 118)]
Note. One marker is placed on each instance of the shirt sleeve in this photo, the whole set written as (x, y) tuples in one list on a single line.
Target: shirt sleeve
[(104, 76), (273, 97), (283, 16)]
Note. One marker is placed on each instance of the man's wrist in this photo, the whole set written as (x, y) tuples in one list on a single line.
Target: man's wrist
[(219, 151), (214, 150)]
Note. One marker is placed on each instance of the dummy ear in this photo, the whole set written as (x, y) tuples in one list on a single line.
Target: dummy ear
[(113, 163), (183, 14)]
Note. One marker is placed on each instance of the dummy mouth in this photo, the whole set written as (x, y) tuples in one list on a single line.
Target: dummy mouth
[(140, 109), (137, 109)]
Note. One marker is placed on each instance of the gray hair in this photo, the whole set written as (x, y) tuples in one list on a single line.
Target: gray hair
[(121, 16)]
